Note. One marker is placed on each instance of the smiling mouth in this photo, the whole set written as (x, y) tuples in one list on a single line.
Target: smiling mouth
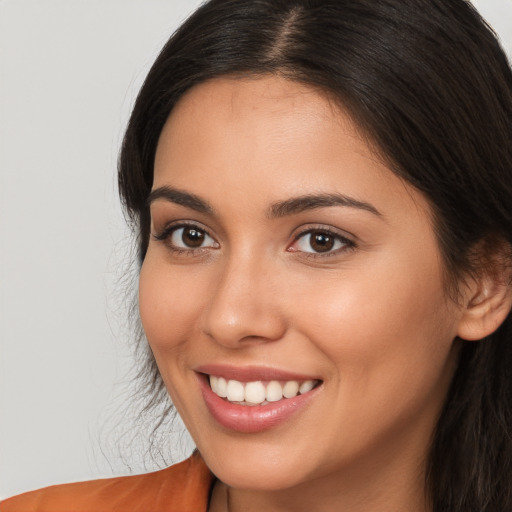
[(259, 392)]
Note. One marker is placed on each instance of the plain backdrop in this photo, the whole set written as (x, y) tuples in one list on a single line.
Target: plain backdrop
[(69, 73)]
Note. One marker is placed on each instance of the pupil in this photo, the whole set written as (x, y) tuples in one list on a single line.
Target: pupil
[(321, 242), (192, 237)]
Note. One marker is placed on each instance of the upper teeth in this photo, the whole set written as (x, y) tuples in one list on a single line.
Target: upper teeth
[(257, 392)]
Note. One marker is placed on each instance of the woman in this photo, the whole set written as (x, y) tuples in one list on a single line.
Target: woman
[(321, 191)]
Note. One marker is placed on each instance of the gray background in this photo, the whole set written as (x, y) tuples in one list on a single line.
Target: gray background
[(69, 72)]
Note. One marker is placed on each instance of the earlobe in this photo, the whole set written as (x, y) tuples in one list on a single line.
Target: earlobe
[(489, 303)]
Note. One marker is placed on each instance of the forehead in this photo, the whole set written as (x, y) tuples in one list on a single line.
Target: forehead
[(272, 111)]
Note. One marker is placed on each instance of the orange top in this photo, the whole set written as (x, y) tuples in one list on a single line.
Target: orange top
[(184, 487)]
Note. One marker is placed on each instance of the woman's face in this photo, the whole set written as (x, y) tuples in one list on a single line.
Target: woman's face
[(285, 254)]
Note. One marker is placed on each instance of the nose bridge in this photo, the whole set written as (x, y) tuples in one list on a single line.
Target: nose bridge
[(243, 305)]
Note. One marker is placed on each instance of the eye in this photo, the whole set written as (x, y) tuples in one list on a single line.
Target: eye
[(190, 238), (320, 241), (186, 237)]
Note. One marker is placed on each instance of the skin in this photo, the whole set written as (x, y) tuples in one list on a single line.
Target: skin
[(370, 319)]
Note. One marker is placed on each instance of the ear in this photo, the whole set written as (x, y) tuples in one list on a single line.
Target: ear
[(487, 303)]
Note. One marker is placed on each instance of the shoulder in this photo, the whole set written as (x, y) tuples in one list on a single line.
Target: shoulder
[(183, 487)]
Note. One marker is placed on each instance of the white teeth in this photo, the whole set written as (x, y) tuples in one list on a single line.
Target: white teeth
[(222, 387), (291, 388), (275, 391), (213, 384), (235, 391), (306, 386), (256, 393)]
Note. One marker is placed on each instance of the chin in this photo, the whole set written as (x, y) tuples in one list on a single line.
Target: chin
[(259, 466)]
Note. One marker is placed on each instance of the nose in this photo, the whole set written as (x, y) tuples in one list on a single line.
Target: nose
[(244, 305)]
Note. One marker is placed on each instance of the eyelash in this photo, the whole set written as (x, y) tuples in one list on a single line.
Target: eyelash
[(347, 244), (166, 234)]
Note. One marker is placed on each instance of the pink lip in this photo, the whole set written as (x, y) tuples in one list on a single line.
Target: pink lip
[(252, 373), (252, 419)]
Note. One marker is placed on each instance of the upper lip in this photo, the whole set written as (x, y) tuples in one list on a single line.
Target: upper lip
[(251, 373)]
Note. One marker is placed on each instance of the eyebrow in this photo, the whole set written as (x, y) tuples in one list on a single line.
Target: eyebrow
[(290, 206), (312, 201), (180, 197)]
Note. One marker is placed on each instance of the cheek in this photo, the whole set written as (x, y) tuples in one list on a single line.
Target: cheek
[(383, 328), (388, 350), (168, 305)]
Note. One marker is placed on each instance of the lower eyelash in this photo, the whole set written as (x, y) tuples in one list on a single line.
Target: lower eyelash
[(165, 234), (331, 254), (348, 244), (184, 252)]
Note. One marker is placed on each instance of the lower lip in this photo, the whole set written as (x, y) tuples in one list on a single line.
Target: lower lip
[(250, 419)]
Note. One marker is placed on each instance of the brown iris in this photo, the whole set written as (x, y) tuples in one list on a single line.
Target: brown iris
[(321, 241), (192, 237)]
